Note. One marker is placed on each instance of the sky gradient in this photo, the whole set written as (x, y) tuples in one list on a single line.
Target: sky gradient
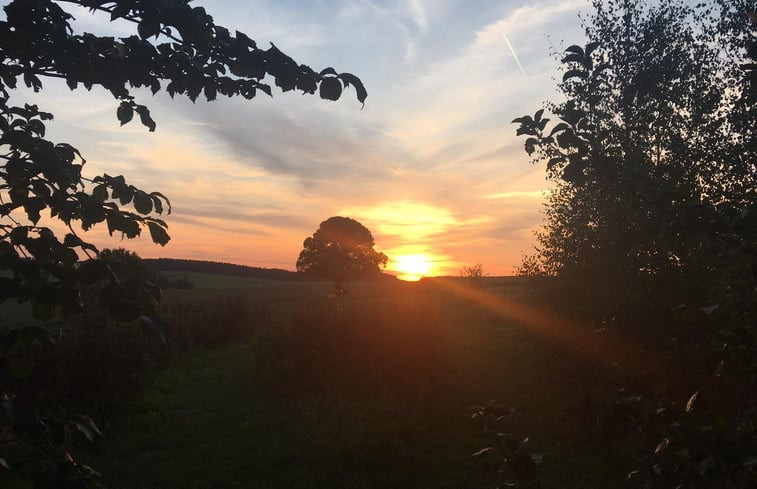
[(431, 164)]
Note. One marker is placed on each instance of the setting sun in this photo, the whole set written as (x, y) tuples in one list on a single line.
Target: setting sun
[(412, 267)]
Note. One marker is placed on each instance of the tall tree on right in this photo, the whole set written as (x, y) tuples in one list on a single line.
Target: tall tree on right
[(652, 156)]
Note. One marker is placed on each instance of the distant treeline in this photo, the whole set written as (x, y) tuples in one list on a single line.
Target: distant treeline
[(178, 265), (221, 268)]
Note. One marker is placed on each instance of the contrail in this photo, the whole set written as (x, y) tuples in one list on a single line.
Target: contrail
[(514, 55)]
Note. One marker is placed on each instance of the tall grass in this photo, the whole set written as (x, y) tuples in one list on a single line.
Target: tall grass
[(92, 363), (360, 348), (369, 375)]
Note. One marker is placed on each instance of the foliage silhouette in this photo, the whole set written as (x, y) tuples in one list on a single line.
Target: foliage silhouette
[(516, 463), (653, 212), (652, 157), (177, 48), (472, 271), (340, 250)]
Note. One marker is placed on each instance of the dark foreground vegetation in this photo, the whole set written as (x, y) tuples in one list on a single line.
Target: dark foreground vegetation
[(394, 385)]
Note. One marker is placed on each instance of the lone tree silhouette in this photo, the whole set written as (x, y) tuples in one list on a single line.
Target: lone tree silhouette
[(340, 250)]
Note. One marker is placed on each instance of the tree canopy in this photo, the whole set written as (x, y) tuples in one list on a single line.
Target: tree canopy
[(652, 155), (340, 250), (651, 224), (176, 48)]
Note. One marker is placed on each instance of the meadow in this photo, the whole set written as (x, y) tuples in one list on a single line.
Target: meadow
[(449, 382), (375, 389)]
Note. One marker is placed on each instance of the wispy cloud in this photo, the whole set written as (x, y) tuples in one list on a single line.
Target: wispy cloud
[(431, 165), (532, 194), (418, 11)]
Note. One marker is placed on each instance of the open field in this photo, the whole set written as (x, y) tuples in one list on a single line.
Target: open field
[(225, 418), (274, 384)]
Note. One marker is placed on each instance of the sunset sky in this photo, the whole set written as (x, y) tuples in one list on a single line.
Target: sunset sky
[(431, 165)]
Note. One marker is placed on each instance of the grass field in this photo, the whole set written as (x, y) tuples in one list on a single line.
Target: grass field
[(222, 419)]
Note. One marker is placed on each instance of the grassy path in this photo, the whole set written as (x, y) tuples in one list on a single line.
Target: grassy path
[(205, 423), (209, 421)]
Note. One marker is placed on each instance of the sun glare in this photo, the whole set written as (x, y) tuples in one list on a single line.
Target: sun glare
[(412, 268)]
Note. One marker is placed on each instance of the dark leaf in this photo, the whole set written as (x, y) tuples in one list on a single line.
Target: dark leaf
[(142, 202), (331, 89), (148, 27), (158, 233), (121, 9), (155, 325), (210, 92), (125, 112), (574, 73), (159, 196), (351, 80), (531, 145), (559, 127), (33, 206), (573, 57), (524, 129), (591, 47), (574, 172), (144, 116), (100, 192)]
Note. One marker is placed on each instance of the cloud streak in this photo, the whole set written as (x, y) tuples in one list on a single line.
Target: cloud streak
[(515, 56), (431, 165)]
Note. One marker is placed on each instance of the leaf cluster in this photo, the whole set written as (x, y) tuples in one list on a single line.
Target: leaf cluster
[(652, 211), (177, 48), (697, 450), (516, 462), (651, 155)]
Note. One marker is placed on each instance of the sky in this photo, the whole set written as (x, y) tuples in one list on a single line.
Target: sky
[(431, 164)]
